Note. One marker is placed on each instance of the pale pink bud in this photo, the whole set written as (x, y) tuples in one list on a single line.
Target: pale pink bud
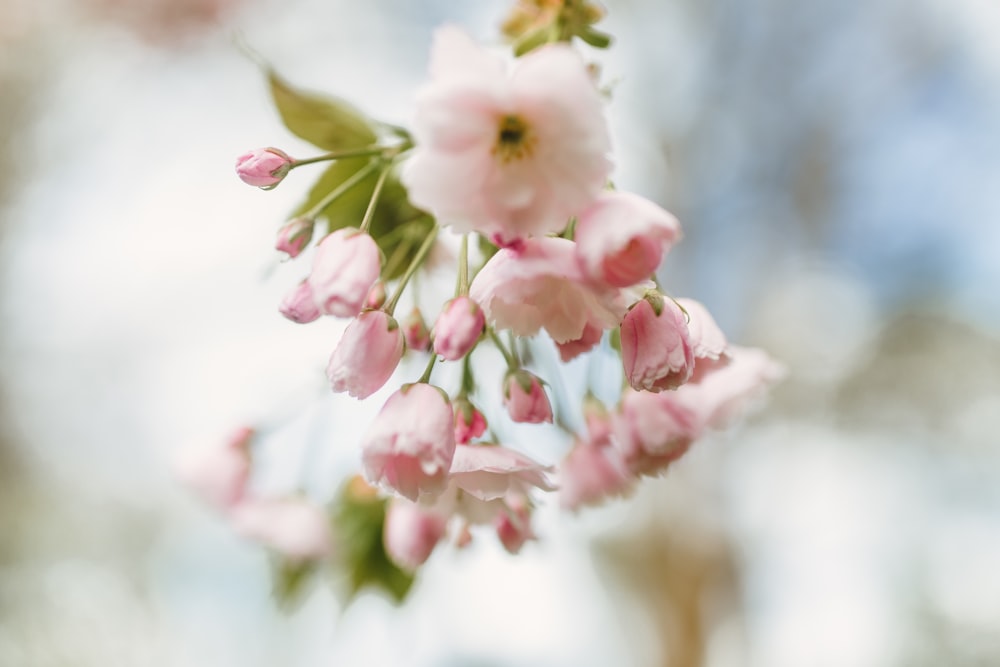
[(299, 305), (458, 328), (418, 337), (411, 532), (263, 167), (513, 526), (574, 348), (218, 473), (656, 348), (592, 471), (621, 238), (295, 527), (525, 399), (295, 235), (410, 445), (469, 422), (653, 430), (346, 265), (376, 296), (367, 354)]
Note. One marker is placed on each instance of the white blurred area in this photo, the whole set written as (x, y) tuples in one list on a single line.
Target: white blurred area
[(834, 166)]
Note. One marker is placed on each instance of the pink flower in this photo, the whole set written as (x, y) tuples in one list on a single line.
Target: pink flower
[(295, 527), (410, 445), (263, 167), (507, 152), (592, 471), (469, 422), (218, 473), (621, 238), (295, 235), (571, 349), (415, 331), (656, 347), (707, 339), (299, 305), (652, 430), (490, 472), (411, 532), (728, 390), (367, 354), (525, 399), (345, 267), (513, 526), (458, 328), (541, 286)]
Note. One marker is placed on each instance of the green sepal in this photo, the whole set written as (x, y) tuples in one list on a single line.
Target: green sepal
[(326, 122), (596, 38), (615, 339), (359, 519), (486, 248)]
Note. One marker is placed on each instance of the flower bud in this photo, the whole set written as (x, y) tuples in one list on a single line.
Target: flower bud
[(411, 532), (418, 337), (525, 399), (458, 328), (376, 296), (469, 422), (299, 305), (263, 167), (514, 526), (295, 235), (346, 266), (656, 345), (367, 354)]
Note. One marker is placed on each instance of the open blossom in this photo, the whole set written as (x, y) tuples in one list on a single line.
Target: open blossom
[(622, 237), (572, 349), (366, 355), (409, 447), (263, 167), (593, 470), (489, 472), (541, 286), (411, 532), (656, 347), (509, 152), (727, 390), (299, 305), (345, 268), (218, 472), (652, 430), (458, 328), (525, 399), (295, 527)]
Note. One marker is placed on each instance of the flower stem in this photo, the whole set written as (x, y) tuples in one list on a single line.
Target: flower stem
[(468, 382), (462, 288), (426, 377), (414, 265), (338, 192), (376, 193), (511, 362), (340, 155)]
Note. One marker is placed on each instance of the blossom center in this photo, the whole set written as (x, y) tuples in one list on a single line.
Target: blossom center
[(514, 139)]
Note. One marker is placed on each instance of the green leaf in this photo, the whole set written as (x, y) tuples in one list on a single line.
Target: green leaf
[(359, 519), (326, 122), (290, 581)]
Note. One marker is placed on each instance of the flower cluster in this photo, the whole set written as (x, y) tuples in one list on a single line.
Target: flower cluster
[(511, 154)]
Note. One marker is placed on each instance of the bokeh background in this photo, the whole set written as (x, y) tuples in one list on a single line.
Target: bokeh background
[(835, 164)]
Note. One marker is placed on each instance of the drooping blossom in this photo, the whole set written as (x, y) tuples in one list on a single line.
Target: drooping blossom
[(507, 151), (299, 305), (652, 430), (409, 447), (345, 268), (525, 399), (293, 526), (622, 237), (656, 346), (263, 167), (513, 525), (366, 355), (592, 471), (411, 532), (418, 337), (469, 421), (295, 235), (458, 328), (728, 390), (541, 286), (571, 349), (707, 339), (218, 471)]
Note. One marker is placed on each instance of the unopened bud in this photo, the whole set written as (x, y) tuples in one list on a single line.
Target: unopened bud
[(295, 235), (418, 337), (263, 167)]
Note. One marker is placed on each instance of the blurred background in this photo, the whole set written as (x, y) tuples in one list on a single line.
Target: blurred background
[(835, 166)]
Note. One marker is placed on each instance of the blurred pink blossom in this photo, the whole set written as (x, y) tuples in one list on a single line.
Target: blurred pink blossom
[(293, 526), (299, 305), (346, 266), (411, 532), (218, 472)]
